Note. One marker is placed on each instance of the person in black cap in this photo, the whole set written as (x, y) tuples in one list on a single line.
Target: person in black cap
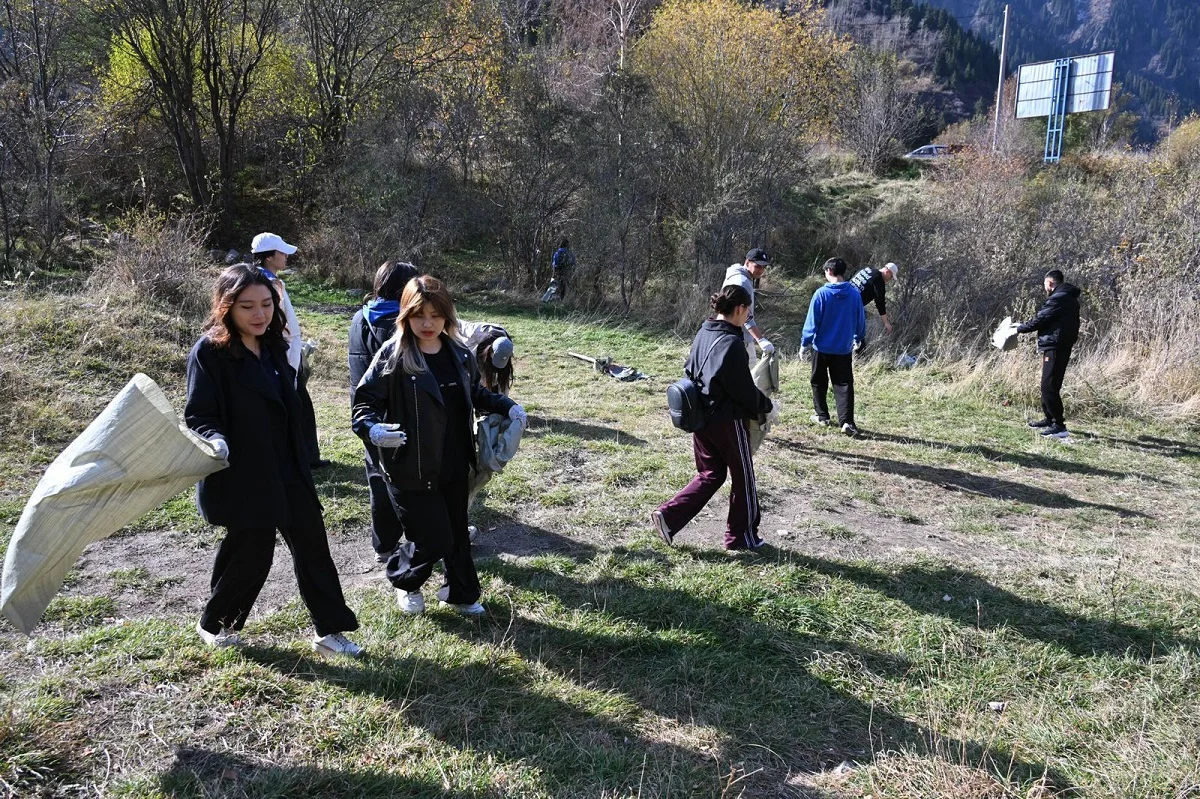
[(746, 275), (1057, 326)]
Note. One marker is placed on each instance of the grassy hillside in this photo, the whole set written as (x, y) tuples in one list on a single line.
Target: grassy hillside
[(947, 607)]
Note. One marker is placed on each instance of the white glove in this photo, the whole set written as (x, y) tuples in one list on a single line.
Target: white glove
[(766, 346), (518, 415), (387, 435), (220, 448)]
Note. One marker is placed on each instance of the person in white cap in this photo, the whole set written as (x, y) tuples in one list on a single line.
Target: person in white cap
[(271, 252), (872, 284)]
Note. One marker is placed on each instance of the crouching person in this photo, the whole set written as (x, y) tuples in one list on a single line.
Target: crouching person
[(416, 406), (242, 395)]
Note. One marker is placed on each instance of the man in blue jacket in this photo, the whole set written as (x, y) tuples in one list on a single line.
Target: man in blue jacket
[(836, 322)]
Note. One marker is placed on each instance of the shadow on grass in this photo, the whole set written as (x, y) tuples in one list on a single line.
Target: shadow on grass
[(581, 745), (1152, 444), (923, 586), (713, 661), (745, 661), (1022, 459), (591, 432), (956, 480), (203, 773)]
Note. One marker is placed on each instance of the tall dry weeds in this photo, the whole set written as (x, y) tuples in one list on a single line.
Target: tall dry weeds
[(158, 260), (1125, 229)]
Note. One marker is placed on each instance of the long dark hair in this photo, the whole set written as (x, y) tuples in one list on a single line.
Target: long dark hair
[(493, 379), (229, 286)]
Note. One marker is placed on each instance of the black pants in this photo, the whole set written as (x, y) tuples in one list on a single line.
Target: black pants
[(561, 274), (1054, 367), (436, 524), (308, 420), (838, 369), (386, 528), (244, 560)]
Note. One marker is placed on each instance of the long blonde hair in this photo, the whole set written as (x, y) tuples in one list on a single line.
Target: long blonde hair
[(417, 292)]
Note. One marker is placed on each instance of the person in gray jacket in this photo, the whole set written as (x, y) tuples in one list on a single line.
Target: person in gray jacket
[(745, 275)]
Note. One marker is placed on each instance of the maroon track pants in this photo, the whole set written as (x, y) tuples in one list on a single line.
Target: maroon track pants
[(720, 447)]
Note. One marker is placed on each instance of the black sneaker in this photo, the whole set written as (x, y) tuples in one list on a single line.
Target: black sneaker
[(849, 429), (1038, 425), (1055, 430)]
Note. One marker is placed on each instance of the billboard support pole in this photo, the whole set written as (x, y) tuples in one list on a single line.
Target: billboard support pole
[(1000, 81), (1058, 111)]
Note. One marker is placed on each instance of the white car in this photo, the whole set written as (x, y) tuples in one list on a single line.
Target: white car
[(931, 151)]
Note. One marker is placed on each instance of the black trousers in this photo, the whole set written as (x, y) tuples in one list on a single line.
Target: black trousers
[(1054, 368), (386, 527), (244, 560), (838, 369), (435, 522), (308, 420)]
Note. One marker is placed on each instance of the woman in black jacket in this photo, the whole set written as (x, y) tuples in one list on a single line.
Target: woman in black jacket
[(242, 395), (720, 367), (370, 329), (416, 405)]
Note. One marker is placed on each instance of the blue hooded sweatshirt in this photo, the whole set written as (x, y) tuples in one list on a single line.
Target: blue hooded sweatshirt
[(836, 319)]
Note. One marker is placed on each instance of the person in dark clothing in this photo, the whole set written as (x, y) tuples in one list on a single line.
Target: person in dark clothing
[(1057, 326), (415, 405), (562, 263), (371, 327), (242, 396), (836, 321), (872, 285), (720, 366)]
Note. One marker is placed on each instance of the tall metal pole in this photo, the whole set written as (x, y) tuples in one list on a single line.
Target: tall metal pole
[(1000, 82)]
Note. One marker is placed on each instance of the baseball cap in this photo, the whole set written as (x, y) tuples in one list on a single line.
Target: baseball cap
[(758, 256), (266, 242), (891, 267), (502, 352)]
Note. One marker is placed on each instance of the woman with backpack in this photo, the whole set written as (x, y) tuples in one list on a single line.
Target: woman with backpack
[(416, 405), (720, 368), (370, 329)]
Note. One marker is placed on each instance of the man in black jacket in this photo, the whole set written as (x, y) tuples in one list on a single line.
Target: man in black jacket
[(1057, 326)]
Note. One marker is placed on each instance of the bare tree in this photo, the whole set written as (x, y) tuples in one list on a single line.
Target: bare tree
[(41, 95), (879, 117), (200, 59)]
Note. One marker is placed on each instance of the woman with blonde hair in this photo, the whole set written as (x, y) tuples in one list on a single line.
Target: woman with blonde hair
[(416, 406)]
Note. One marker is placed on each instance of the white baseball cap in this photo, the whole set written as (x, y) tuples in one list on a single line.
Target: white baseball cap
[(266, 242), (892, 268)]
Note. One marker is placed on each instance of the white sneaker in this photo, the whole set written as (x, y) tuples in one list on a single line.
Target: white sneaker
[(410, 601), (472, 531), (473, 609), (660, 524), (820, 420), (224, 638), (335, 644)]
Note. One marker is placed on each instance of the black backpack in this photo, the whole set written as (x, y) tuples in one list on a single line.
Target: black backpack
[(684, 402)]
